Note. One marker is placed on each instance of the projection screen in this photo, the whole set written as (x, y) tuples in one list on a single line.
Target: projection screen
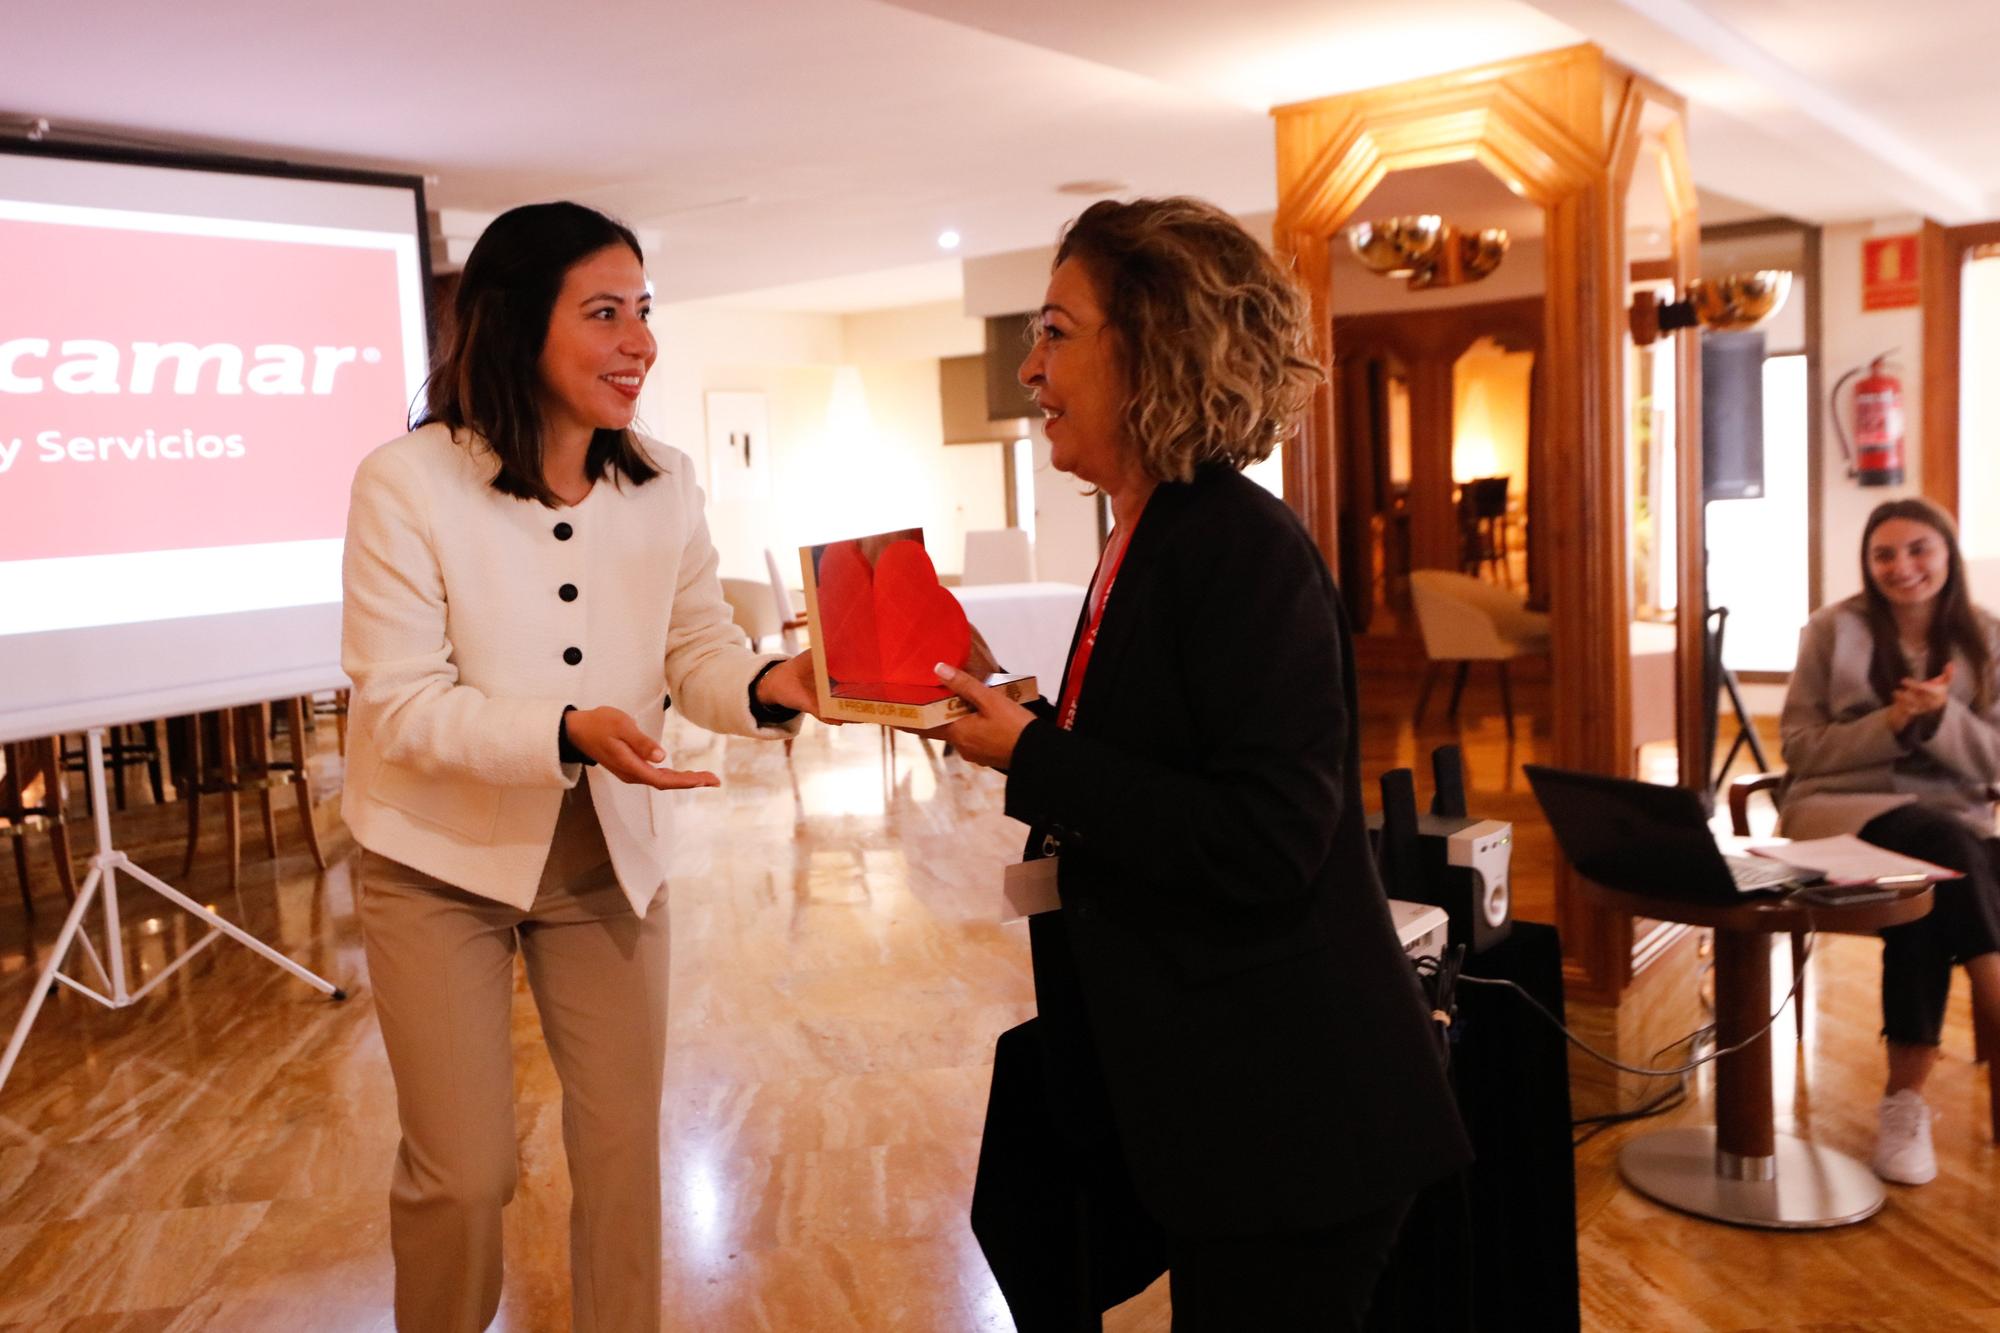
[(194, 357)]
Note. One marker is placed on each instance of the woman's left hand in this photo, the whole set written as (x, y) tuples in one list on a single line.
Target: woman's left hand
[(987, 736), (790, 685), (1927, 696)]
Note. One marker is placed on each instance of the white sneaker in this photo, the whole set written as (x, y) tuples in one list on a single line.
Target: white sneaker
[(1903, 1152)]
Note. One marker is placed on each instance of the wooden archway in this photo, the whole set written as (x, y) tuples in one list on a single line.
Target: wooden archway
[(1566, 130)]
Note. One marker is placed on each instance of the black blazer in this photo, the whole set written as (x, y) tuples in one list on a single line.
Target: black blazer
[(1223, 986)]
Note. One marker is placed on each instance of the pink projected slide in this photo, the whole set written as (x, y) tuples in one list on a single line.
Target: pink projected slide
[(162, 391)]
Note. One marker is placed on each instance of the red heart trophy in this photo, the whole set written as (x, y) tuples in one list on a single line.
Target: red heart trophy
[(879, 622)]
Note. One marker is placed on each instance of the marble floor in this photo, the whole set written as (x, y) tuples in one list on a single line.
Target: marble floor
[(216, 1157)]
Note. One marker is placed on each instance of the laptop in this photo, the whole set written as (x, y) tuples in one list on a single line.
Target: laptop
[(1647, 838)]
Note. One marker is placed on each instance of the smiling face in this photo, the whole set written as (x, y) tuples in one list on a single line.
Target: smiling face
[(1078, 377), (1908, 561), (598, 348)]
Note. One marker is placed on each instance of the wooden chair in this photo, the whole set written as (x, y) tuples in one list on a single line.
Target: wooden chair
[(204, 749), (25, 761), (224, 752), (290, 771), (333, 704), (1482, 521), (1985, 1042), (124, 747)]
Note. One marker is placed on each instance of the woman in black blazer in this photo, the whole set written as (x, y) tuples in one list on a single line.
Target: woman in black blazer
[(1229, 1035)]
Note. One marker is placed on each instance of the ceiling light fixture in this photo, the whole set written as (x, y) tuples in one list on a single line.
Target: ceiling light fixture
[(1426, 250), (1720, 305), (948, 239)]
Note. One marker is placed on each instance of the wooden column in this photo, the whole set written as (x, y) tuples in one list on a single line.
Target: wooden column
[(1433, 520), (1556, 128), (1310, 461)]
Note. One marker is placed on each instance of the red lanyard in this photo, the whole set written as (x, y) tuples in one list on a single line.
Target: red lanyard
[(1079, 661)]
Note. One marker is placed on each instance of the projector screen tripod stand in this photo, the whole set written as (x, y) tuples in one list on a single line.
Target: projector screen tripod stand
[(104, 869)]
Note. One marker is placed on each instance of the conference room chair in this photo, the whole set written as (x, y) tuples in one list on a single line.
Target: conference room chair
[(333, 704), (790, 619), (204, 750), (998, 555), (752, 608), (26, 762), (1482, 521), (134, 746), (228, 751), (1465, 620), (755, 612), (1985, 1041), (293, 769)]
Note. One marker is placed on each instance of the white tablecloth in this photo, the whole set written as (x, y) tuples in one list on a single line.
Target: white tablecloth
[(1027, 625)]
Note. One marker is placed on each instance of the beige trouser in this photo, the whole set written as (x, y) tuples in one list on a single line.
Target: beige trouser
[(442, 964)]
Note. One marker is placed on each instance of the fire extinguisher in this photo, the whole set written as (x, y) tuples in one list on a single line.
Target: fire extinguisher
[(1874, 451)]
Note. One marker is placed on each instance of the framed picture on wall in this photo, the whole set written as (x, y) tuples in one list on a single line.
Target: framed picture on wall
[(739, 445)]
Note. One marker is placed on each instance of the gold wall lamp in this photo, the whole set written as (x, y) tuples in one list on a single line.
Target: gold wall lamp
[(1720, 305), (1426, 250)]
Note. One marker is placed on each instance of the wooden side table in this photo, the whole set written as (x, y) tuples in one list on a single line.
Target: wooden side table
[(1743, 1171)]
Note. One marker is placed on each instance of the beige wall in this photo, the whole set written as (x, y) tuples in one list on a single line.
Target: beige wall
[(1851, 336), (857, 441)]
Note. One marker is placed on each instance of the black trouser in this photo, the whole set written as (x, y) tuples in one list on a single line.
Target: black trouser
[(1964, 920), (1322, 1279), (1066, 1236)]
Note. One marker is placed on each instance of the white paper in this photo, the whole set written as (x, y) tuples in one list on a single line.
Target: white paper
[(1846, 859)]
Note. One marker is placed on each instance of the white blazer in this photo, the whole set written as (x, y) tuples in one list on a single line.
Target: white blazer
[(464, 646)]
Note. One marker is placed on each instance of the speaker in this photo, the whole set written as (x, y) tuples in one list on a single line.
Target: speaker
[(1396, 855), (1732, 416), (1448, 860), (1448, 781)]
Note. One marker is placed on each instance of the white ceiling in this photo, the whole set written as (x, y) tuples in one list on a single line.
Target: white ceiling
[(777, 142)]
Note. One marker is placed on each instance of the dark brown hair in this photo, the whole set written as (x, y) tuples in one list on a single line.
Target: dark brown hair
[(1214, 333), (1954, 622), (486, 377)]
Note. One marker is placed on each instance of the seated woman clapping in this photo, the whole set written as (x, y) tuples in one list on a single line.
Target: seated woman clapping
[(1891, 730)]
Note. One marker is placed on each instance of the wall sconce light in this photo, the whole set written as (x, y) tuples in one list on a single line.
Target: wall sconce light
[(1721, 305), (1427, 251)]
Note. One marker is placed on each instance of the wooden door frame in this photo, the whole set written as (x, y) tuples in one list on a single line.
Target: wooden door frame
[(1942, 252)]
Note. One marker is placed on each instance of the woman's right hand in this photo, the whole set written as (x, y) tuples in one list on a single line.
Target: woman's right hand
[(1917, 699), (622, 749)]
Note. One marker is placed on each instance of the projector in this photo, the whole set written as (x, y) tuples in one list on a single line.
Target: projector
[(1421, 928)]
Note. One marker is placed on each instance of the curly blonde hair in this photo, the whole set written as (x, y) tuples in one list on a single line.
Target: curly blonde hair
[(1215, 335)]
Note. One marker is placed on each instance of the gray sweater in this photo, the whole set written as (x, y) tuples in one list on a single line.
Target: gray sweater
[(1844, 765)]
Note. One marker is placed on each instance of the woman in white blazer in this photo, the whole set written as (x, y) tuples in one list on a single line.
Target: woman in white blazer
[(1892, 732), (529, 586)]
